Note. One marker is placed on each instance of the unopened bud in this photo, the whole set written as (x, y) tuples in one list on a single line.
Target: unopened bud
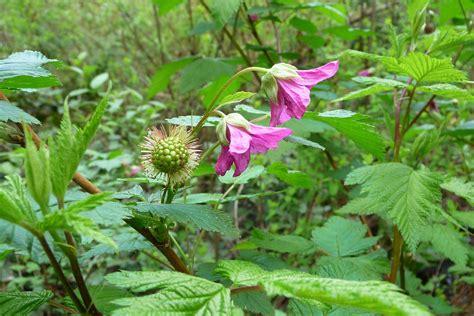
[(270, 87), (284, 71)]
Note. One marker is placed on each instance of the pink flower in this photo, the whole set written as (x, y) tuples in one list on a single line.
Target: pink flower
[(254, 17), (364, 73), (288, 89), (241, 138)]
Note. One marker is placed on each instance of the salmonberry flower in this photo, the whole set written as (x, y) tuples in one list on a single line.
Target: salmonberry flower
[(173, 154), (288, 89), (240, 138)]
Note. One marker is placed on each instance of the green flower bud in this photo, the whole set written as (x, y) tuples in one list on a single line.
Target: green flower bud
[(221, 131), (270, 87), (284, 71), (238, 120)]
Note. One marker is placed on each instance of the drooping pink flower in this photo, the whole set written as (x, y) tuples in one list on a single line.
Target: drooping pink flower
[(289, 89), (241, 138)]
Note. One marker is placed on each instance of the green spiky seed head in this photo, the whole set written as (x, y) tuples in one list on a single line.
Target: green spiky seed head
[(170, 155)]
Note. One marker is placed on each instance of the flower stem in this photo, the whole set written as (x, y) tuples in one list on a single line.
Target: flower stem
[(212, 105)]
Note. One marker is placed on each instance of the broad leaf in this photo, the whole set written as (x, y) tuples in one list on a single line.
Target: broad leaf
[(126, 242), (292, 177), (278, 243), (22, 303), (202, 216), (223, 10), (461, 188), (255, 302), (356, 127), (343, 237), (409, 197), (162, 76), (447, 91), (203, 71), (9, 112), (179, 294), (24, 70), (236, 97)]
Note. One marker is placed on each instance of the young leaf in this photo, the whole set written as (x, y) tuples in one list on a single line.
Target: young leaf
[(356, 127), (37, 171), (22, 303), (9, 112), (202, 216), (424, 68), (460, 188), (24, 70), (9, 210), (409, 197), (236, 97), (178, 294), (364, 92), (343, 237), (447, 91)]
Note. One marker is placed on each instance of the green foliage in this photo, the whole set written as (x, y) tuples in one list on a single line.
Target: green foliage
[(70, 220), (377, 296), (37, 171), (22, 303), (342, 237), (9, 112), (461, 188), (223, 10), (447, 91), (202, 71), (14, 204), (24, 70), (178, 294), (448, 241), (202, 216), (292, 177), (407, 196), (304, 142), (364, 92), (162, 76), (236, 97), (354, 126), (68, 147), (276, 242)]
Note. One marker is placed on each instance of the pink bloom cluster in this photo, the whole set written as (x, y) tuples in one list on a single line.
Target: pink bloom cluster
[(289, 92)]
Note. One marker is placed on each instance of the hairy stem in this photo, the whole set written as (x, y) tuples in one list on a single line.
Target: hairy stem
[(396, 254)]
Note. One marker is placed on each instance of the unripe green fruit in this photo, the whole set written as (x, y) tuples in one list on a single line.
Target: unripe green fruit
[(170, 155)]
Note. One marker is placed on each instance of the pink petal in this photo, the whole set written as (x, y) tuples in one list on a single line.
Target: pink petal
[(239, 139), (278, 114), (295, 95), (224, 162), (265, 138), (241, 162), (314, 76)]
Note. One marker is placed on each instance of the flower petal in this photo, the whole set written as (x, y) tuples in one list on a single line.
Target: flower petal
[(224, 162), (278, 114), (241, 162), (239, 139), (265, 138), (295, 95), (314, 76)]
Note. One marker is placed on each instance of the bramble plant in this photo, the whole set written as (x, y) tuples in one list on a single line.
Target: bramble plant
[(399, 212)]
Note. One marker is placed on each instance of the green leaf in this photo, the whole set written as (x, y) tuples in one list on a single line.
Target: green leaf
[(354, 126), (236, 97), (104, 295), (380, 81), (448, 241), (24, 70), (377, 296), (9, 210), (99, 80), (9, 112), (224, 10), (92, 125), (37, 174), (424, 68), (192, 120), (304, 142), (70, 220), (409, 197), (343, 237), (166, 6), (447, 91), (255, 302), (126, 242), (463, 130), (202, 216), (466, 218), (303, 25), (364, 92), (179, 294), (203, 71), (313, 41), (22, 303), (14, 203), (162, 76), (461, 188), (292, 177), (245, 177), (280, 243)]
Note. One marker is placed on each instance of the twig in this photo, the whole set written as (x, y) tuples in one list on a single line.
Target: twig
[(275, 30), (256, 36)]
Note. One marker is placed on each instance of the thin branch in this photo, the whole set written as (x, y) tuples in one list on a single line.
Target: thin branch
[(256, 36), (275, 30)]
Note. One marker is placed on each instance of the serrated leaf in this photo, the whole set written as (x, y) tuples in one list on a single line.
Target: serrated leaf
[(424, 68), (192, 120), (9, 112), (178, 294), (162, 76), (409, 197), (104, 295), (377, 296), (203, 71), (23, 70), (461, 188), (447, 91), (448, 241), (202, 216), (354, 126), (343, 237), (126, 242), (14, 203), (236, 97), (223, 10), (22, 303), (255, 302), (241, 273), (465, 218)]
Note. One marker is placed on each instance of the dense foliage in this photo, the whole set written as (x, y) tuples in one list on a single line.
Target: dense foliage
[(232, 157)]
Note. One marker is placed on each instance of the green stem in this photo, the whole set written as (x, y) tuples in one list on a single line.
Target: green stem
[(212, 105), (209, 151)]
